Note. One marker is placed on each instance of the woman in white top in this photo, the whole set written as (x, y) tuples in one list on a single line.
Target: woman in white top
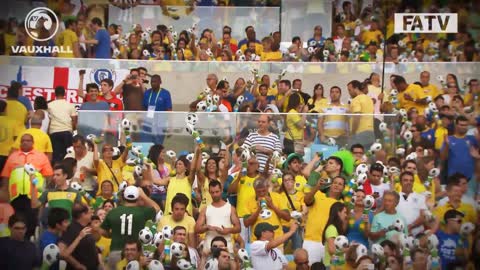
[(40, 105)]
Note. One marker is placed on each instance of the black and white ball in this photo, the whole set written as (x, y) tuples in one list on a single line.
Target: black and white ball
[(51, 254), (368, 201), (382, 126), (432, 242), (190, 129), (191, 119), (176, 249), (201, 106), (167, 232), (158, 216), (377, 250), (408, 135), (76, 186), (133, 265), (157, 238), (145, 235), (211, 264), (138, 170), (398, 225), (361, 251), (435, 172), (190, 157), (341, 242), (240, 100), (29, 168), (375, 147), (361, 168), (155, 265), (265, 214), (126, 124), (243, 255), (123, 185), (184, 264)]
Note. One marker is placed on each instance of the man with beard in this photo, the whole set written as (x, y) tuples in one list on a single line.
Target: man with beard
[(217, 219)]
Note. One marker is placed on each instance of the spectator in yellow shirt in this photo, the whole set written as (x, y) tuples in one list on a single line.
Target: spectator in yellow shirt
[(428, 89), (69, 41), (361, 130), (410, 95), (267, 54), (372, 35)]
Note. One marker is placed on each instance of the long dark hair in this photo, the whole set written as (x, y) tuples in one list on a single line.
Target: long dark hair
[(154, 153), (293, 101), (334, 219)]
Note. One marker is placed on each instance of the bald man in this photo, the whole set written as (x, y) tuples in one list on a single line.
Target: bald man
[(42, 140), (300, 257)]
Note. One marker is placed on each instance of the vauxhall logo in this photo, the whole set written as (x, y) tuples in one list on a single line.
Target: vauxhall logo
[(41, 24)]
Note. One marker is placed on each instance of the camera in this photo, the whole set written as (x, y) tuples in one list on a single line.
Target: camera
[(133, 77)]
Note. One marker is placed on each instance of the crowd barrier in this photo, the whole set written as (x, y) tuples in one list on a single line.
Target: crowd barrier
[(185, 80), (216, 130)]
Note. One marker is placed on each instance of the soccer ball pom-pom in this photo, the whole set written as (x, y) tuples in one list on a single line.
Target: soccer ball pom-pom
[(145, 235), (211, 264), (435, 172), (159, 216), (176, 249), (133, 265), (191, 119), (341, 243), (158, 238), (155, 265), (466, 229), (408, 135), (138, 170), (167, 232), (398, 225), (171, 153), (29, 169), (190, 157), (265, 214), (243, 255), (126, 123), (202, 106), (375, 147), (361, 168), (382, 127), (184, 264), (240, 100), (76, 186), (368, 202), (361, 178), (51, 253), (432, 242), (377, 250), (122, 185), (361, 251)]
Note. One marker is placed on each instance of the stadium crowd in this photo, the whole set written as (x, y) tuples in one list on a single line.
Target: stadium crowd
[(359, 33), (396, 193)]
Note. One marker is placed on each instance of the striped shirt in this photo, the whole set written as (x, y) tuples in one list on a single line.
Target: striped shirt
[(334, 124), (270, 142)]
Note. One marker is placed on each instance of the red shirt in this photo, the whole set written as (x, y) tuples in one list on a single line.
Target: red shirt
[(115, 103)]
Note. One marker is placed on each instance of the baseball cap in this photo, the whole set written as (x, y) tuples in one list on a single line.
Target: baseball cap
[(131, 193), (290, 158), (452, 213), (264, 226)]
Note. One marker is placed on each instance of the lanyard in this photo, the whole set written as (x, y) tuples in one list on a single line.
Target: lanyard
[(150, 97)]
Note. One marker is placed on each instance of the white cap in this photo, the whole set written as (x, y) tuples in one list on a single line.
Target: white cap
[(131, 193)]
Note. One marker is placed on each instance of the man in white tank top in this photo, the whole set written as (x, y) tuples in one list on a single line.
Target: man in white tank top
[(218, 218)]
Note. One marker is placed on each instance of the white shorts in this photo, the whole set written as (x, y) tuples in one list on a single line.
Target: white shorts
[(316, 251)]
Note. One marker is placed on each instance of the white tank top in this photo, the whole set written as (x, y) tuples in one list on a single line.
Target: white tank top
[(218, 216)]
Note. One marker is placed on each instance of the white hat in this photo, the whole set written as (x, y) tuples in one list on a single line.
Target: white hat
[(131, 193)]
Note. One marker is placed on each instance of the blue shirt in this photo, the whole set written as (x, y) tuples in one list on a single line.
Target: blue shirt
[(319, 42), (459, 158), (354, 232), (429, 135), (102, 49), (447, 243), (161, 100), (46, 239), (95, 106), (383, 220), (26, 102)]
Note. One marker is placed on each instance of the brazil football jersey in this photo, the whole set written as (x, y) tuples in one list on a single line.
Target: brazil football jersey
[(125, 222)]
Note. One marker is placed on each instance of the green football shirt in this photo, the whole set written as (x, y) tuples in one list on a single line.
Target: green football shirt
[(125, 222)]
